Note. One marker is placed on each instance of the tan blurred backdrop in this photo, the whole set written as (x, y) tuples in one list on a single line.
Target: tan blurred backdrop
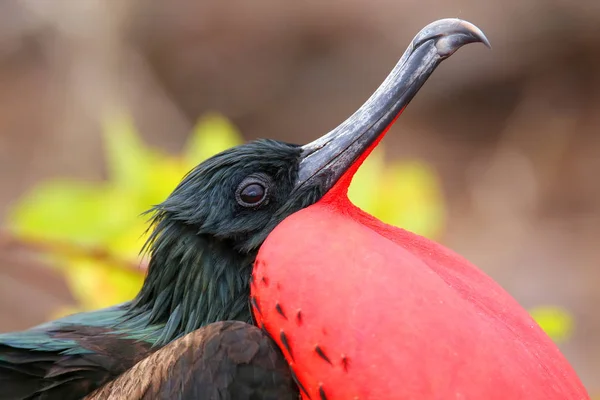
[(514, 132)]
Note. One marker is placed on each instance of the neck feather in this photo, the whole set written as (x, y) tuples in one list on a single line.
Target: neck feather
[(193, 280)]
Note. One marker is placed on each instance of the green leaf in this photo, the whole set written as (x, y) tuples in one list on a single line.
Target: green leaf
[(164, 175), (412, 198), (364, 189), (97, 285), (406, 194), (212, 134), (555, 321), (126, 156), (62, 209)]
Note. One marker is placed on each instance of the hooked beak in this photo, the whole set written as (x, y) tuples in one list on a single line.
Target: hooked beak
[(326, 159)]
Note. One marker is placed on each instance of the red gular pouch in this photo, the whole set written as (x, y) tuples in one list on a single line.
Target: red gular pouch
[(364, 310)]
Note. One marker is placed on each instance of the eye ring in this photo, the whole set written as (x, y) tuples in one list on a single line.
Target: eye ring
[(252, 191)]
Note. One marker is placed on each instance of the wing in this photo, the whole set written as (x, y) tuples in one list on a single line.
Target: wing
[(66, 358), (224, 360)]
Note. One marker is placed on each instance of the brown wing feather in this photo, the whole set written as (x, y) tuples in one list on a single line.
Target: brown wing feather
[(224, 360)]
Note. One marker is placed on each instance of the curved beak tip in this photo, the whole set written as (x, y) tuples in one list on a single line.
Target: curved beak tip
[(450, 34), (475, 32)]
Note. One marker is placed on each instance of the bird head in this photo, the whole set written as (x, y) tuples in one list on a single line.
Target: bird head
[(208, 232), (238, 196)]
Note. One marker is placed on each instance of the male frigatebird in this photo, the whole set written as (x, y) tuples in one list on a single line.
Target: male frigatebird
[(205, 240)]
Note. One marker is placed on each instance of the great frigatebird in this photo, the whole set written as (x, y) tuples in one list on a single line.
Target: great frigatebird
[(205, 240)]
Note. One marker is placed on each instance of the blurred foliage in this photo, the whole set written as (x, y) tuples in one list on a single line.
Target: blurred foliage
[(402, 193), (556, 321), (104, 217)]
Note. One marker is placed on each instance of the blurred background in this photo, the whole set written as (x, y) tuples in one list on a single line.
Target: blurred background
[(104, 105)]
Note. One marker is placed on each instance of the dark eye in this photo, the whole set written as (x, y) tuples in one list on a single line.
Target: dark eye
[(252, 192)]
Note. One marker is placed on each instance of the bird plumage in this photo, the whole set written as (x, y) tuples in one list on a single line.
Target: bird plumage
[(221, 361), (68, 357)]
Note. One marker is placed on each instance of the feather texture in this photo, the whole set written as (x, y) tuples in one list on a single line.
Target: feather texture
[(64, 361), (222, 361)]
